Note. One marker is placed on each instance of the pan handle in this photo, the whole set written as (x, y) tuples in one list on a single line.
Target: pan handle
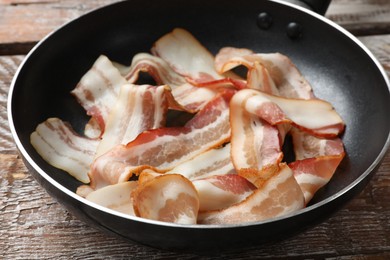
[(318, 6)]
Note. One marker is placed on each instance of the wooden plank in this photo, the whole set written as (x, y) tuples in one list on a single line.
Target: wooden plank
[(24, 22), (361, 17), (8, 66), (34, 226)]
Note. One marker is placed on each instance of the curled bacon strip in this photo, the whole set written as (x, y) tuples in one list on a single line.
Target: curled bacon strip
[(222, 191), (315, 116), (186, 55), (170, 198), (62, 147), (158, 148), (156, 67), (137, 109), (255, 145), (316, 161), (191, 98), (98, 89), (279, 195), (284, 73), (116, 197)]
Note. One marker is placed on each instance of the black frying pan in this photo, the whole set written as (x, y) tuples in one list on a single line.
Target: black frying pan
[(339, 67)]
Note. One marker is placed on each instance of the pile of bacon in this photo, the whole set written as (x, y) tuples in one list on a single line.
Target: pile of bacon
[(225, 164)]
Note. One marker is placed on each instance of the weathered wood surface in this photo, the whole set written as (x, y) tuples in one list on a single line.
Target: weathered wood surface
[(34, 226)]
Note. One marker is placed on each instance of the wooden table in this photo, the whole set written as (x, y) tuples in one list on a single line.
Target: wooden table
[(34, 226)]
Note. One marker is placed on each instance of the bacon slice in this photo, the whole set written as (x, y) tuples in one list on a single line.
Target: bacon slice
[(164, 148), (213, 162), (191, 98), (284, 73), (279, 195), (260, 79), (116, 197), (158, 68), (255, 145), (137, 109), (314, 173), (316, 161), (98, 89), (221, 191), (63, 148), (186, 55), (315, 116), (169, 198), (308, 146)]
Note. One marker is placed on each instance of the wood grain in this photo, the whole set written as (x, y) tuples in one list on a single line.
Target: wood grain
[(24, 22), (361, 17)]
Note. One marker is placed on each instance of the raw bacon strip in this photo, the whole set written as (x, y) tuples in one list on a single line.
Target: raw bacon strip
[(314, 173), (316, 161), (63, 148), (191, 98), (186, 55), (168, 198), (156, 67), (278, 196), (213, 162), (308, 146), (137, 109), (98, 89), (260, 79), (222, 191), (116, 197), (164, 148), (284, 73), (92, 129), (255, 145), (229, 57), (315, 116), (146, 175)]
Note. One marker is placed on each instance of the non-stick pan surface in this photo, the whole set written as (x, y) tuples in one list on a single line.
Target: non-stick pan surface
[(340, 69)]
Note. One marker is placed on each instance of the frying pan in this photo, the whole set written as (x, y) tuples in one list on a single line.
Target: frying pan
[(341, 70)]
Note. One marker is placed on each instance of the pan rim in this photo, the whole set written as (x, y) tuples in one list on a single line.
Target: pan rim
[(93, 205)]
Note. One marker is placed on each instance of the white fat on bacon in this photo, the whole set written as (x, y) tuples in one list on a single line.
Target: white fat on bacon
[(222, 191), (138, 108), (284, 73), (98, 89), (213, 162), (63, 148), (164, 148), (116, 197), (279, 195), (169, 198)]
